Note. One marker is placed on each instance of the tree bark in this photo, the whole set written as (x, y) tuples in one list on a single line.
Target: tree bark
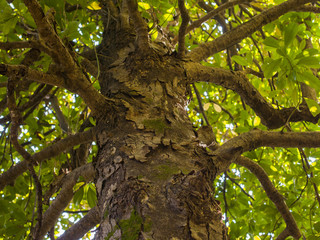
[(153, 180)]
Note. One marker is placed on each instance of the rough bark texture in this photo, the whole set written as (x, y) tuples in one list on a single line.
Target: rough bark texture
[(153, 180)]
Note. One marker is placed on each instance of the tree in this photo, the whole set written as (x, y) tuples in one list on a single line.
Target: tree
[(125, 119)]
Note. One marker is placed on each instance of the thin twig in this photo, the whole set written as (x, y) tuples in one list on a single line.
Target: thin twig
[(200, 104), (305, 159), (225, 198), (238, 185), (210, 15), (182, 30)]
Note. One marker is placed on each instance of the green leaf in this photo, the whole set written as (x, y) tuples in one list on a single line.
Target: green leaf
[(240, 60), (313, 106), (91, 196), (316, 226), (302, 44), (4, 207), (313, 62), (32, 123), (282, 52), (290, 33), (270, 67), (92, 121), (313, 237), (72, 30), (78, 196), (282, 81), (309, 79), (269, 28), (271, 42), (312, 51)]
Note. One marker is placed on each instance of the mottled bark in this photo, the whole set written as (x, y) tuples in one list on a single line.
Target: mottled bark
[(153, 179)]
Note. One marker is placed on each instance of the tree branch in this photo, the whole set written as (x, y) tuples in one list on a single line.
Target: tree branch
[(79, 229), (272, 193), (15, 118), (89, 67), (64, 197), (139, 25), (244, 30), (49, 36), (238, 82), (10, 175), (76, 83), (74, 78), (232, 149), (22, 71), (308, 9), (27, 44), (183, 27)]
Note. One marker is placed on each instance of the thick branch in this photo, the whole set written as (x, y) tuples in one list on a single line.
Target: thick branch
[(65, 196), (232, 149), (238, 82), (139, 25), (90, 67), (74, 78), (49, 36), (9, 176), (183, 27), (75, 82), (89, 221), (272, 193), (21, 71), (308, 9), (26, 44), (244, 30), (20, 44)]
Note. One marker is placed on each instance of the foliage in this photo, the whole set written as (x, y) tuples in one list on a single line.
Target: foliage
[(277, 59)]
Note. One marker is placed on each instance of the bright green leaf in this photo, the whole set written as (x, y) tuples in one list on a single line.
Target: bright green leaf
[(290, 33), (313, 106), (312, 62), (94, 6), (271, 42), (270, 67), (92, 121), (240, 60), (309, 79)]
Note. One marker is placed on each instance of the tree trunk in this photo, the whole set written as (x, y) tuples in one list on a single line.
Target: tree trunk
[(153, 180)]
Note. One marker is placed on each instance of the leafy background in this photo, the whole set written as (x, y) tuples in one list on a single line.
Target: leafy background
[(279, 50)]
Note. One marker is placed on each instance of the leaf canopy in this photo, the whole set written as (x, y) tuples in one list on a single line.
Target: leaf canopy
[(276, 59)]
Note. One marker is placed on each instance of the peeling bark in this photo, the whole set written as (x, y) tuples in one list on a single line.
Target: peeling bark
[(153, 180)]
